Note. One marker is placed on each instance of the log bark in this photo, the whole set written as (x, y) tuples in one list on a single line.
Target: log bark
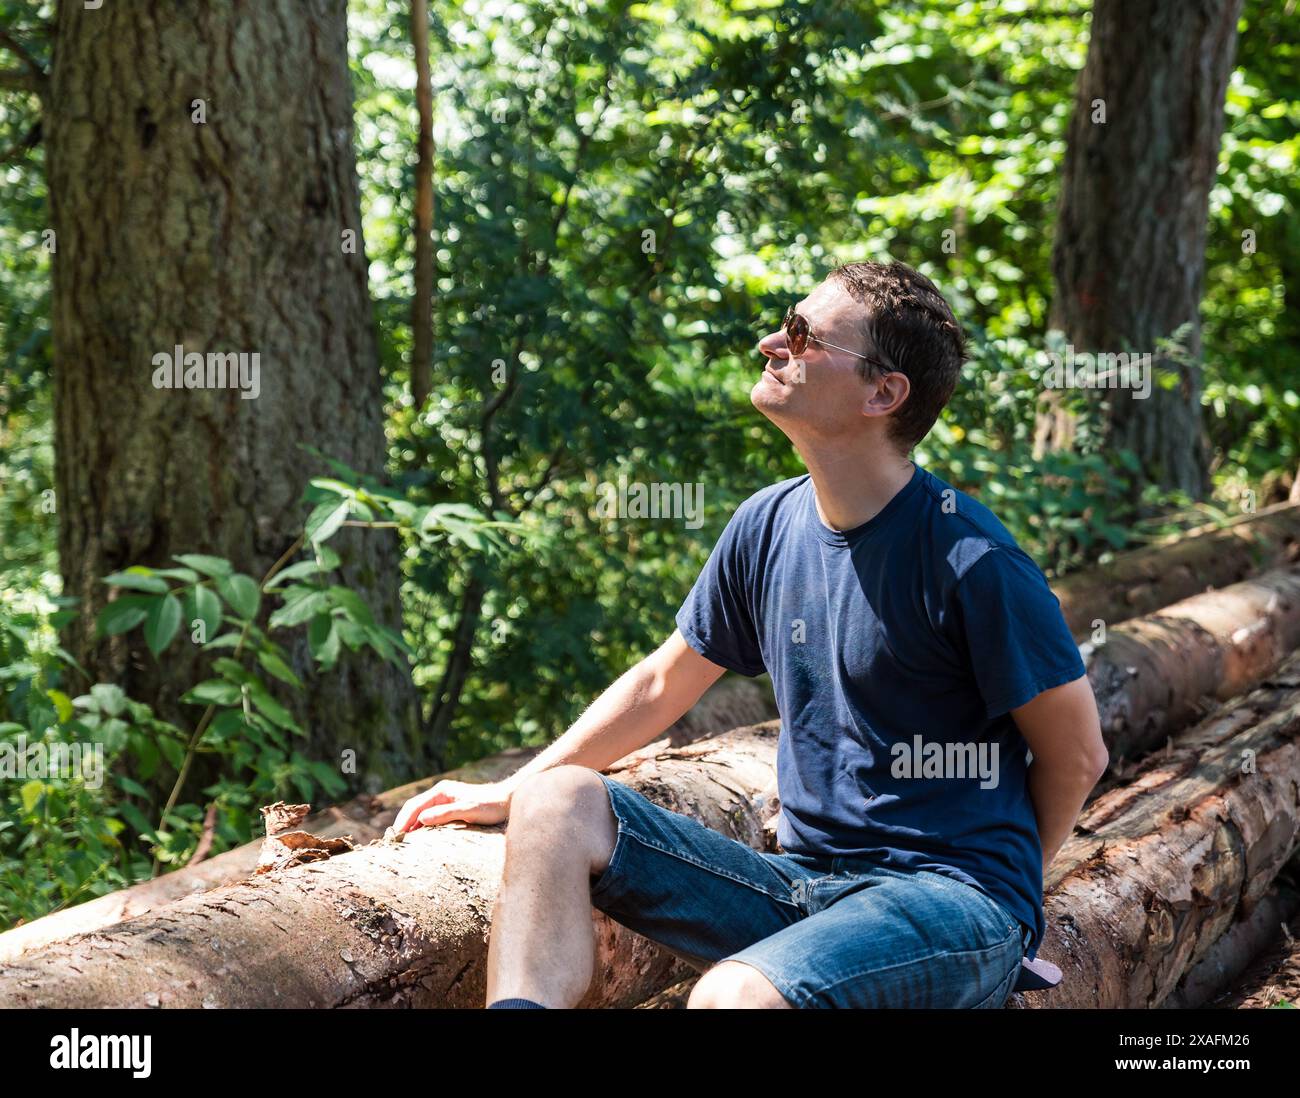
[(389, 924), (1144, 580), (731, 702), (1275, 983), (1152, 676), (1232, 954), (1157, 871)]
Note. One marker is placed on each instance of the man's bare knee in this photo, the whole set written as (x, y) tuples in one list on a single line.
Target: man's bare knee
[(564, 808), (730, 985)]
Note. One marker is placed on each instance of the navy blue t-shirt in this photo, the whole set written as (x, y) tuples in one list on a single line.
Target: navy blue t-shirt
[(896, 650)]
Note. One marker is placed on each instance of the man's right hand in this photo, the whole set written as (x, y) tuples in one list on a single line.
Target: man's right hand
[(447, 800)]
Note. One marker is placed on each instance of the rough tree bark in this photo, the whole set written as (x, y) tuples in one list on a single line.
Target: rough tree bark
[(422, 301), (389, 924), (1159, 869), (1147, 579), (1233, 953), (1129, 256), (1275, 982), (204, 195), (730, 703)]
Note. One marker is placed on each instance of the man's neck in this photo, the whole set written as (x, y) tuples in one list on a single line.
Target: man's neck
[(852, 484)]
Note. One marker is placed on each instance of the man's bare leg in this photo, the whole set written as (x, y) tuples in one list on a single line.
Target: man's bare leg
[(731, 985), (542, 945)]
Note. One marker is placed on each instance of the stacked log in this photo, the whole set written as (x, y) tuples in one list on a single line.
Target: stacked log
[(388, 924), (731, 702), (1159, 869), (1143, 580), (1166, 885), (1155, 674)]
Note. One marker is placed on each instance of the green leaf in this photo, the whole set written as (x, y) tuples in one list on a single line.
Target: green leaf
[(136, 819), (323, 639), (294, 571), (274, 711), (111, 698), (277, 667), (161, 625), (213, 692), (138, 578), (185, 575), (233, 670), (325, 519), (31, 793), (226, 640), (123, 614), (209, 566), (130, 785), (207, 607), (299, 610), (241, 592), (62, 704), (353, 605)]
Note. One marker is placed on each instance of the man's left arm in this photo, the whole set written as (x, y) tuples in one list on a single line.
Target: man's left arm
[(1063, 730)]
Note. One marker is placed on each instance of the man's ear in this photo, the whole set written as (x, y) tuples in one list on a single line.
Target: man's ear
[(887, 394)]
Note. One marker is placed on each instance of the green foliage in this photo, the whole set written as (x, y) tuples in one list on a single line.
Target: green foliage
[(89, 837), (627, 197)]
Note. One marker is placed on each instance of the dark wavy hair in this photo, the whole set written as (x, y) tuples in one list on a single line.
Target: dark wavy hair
[(907, 326)]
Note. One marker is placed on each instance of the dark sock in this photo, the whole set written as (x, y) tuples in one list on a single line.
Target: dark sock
[(517, 1004)]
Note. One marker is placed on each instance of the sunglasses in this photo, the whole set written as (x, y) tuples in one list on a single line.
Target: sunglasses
[(798, 334)]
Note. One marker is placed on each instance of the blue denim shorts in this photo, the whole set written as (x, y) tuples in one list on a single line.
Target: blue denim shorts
[(826, 931)]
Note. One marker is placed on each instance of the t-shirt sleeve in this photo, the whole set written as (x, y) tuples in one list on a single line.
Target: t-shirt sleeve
[(717, 619), (1012, 626)]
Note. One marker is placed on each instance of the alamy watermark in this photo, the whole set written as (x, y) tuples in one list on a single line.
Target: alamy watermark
[(655, 500), (23, 761), (181, 369), (946, 759), (1073, 369)]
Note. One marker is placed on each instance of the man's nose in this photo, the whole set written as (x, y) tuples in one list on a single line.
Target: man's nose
[(774, 345)]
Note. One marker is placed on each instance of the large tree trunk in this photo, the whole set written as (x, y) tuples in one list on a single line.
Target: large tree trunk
[(203, 190), (390, 924), (1129, 256), (1158, 870), (1143, 580), (730, 703)]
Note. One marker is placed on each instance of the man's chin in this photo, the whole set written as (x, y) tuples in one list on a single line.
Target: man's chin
[(768, 397)]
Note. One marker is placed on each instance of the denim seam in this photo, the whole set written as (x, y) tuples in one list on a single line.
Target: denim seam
[(1004, 988), (805, 996), (1014, 923), (705, 866)]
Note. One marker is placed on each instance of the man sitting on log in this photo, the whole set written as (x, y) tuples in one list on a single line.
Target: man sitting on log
[(938, 733)]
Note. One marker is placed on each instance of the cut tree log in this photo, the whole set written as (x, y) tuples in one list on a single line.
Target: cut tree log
[(1143, 580), (1273, 984), (1159, 869), (731, 702), (1231, 956), (1152, 676), (388, 924)]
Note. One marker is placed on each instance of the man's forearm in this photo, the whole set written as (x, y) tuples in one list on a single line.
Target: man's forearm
[(635, 709), (1058, 796)]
